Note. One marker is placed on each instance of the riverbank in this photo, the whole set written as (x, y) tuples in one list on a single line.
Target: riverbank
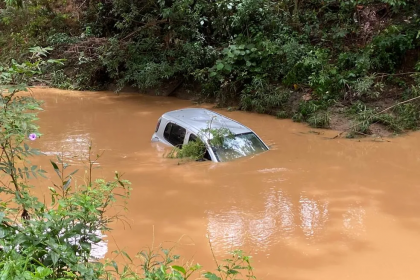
[(340, 120)]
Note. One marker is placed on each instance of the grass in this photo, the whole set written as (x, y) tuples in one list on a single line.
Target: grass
[(403, 117), (281, 114), (265, 101), (319, 120)]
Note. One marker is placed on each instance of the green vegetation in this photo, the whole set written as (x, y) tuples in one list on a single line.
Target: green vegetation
[(289, 58), (53, 239), (159, 264), (196, 150)]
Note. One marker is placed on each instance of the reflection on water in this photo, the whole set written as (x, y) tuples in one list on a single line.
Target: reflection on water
[(279, 218), (310, 208), (71, 147), (353, 221), (313, 215)]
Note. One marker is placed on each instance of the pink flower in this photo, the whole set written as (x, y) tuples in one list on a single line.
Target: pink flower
[(32, 136)]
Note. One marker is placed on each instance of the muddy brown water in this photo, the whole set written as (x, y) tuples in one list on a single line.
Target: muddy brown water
[(310, 208)]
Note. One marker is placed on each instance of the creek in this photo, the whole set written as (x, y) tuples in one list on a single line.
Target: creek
[(310, 208)]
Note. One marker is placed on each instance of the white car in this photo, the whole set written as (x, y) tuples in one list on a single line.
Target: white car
[(179, 127)]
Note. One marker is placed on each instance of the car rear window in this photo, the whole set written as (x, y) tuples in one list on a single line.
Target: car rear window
[(174, 134)]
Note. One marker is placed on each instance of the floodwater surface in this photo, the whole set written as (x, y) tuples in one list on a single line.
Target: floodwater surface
[(310, 208)]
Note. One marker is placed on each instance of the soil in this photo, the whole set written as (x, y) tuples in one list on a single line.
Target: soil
[(379, 130)]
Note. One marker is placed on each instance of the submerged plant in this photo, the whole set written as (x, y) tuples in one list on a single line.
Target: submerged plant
[(218, 136), (196, 149)]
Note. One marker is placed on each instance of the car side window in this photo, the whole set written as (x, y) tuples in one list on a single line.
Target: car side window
[(174, 134), (192, 138)]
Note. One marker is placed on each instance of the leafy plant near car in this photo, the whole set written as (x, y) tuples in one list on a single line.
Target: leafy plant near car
[(196, 150)]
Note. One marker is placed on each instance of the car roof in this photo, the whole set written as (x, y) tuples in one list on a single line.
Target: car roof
[(196, 119)]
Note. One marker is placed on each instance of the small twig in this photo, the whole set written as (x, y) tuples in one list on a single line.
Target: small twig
[(399, 103), (396, 74), (364, 134), (151, 23)]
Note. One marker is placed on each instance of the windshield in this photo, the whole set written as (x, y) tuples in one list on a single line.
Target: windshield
[(240, 145)]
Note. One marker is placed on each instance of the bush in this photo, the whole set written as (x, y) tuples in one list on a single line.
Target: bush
[(264, 98), (239, 52)]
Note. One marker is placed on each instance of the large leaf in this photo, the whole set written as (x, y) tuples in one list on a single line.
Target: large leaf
[(114, 264), (54, 257), (179, 268), (211, 276), (67, 184), (56, 169)]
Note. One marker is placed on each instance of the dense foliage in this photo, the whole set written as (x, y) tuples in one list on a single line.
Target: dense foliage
[(291, 58)]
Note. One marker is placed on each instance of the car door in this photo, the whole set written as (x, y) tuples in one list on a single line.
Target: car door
[(174, 134)]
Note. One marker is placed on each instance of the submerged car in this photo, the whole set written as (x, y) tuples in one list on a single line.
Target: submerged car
[(177, 128)]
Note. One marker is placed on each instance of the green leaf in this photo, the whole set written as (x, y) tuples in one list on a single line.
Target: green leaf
[(43, 272), (54, 257), (114, 264), (232, 271), (180, 269), (74, 172), (220, 66), (211, 276), (54, 165), (86, 246), (195, 267), (66, 184), (20, 173), (126, 255), (41, 173), (56, 169)]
